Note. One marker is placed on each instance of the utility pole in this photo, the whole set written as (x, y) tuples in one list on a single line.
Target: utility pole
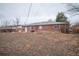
[(29, 10)]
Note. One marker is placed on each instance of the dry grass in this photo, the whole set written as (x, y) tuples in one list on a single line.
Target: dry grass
[(39, 43)]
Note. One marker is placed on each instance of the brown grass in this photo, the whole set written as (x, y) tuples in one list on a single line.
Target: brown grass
[(39, 43)]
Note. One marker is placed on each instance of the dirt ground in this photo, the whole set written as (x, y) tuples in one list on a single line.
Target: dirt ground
[(39, 44)]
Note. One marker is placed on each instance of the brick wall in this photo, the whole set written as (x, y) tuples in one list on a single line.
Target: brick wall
[(55, 27)]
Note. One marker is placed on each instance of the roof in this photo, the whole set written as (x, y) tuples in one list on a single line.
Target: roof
[(8, 27), (11, 27), (46, 23), (33, 24)]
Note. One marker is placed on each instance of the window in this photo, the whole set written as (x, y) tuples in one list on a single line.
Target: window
[(40, 27), (56, 26)]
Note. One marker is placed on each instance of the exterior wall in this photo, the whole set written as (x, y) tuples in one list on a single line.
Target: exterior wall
[(65, 28), (51, 28), (55, 27), (46, 28)]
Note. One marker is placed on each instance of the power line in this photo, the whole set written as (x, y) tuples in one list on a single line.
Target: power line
[(29, 10)]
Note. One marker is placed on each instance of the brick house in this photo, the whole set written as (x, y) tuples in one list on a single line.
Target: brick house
[(40, 26), (11, 29), (47, 26)]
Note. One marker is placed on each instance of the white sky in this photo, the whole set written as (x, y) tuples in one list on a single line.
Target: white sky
[(39, 12)]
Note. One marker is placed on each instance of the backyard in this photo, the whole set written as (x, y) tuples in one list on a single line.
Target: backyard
[(42, 43)]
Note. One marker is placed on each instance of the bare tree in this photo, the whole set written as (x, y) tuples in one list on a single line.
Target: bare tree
[(73, 8), (77, 24), (16, 21), (29, 10), (2, 21), (75, 28), (5, 22)]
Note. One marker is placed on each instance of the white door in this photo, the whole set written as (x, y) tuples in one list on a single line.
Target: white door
[(25, 29)]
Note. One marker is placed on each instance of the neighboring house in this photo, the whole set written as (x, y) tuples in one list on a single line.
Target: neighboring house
[(7, 29), (48, 26), (40, 26), (11, 29)]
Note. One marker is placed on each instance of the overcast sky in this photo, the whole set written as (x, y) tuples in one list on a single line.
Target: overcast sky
[(39, 12)]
